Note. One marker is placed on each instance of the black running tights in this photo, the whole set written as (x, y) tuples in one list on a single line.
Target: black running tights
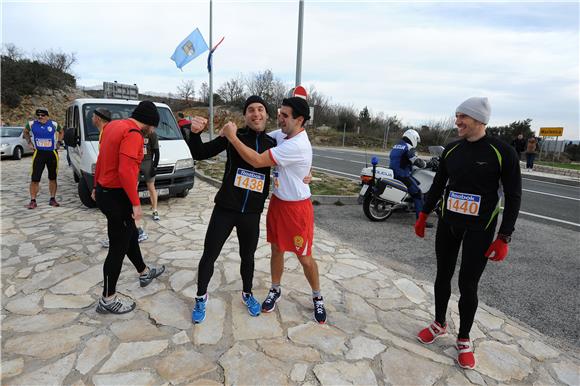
[(219, 229), (475, 243), (123, 236)]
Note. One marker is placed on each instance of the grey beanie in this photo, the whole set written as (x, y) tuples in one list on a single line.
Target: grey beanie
[(477, 108)]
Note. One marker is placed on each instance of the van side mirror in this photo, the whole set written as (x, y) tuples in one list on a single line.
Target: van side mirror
[(70, 137)]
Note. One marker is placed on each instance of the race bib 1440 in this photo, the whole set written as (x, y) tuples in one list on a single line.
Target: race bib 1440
[(247, 179), (464, 203)]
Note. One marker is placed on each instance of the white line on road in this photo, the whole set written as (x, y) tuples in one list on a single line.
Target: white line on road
[(548, 182), (336, 172), (341, 159), (551, 194), (550, 218)]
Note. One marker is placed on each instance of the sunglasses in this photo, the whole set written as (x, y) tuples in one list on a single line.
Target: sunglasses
[(41, 115)]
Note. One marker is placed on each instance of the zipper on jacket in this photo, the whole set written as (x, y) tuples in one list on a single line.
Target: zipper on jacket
[(247, 191)]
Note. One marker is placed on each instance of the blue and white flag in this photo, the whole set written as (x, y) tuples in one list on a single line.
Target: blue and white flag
[(190, 48)]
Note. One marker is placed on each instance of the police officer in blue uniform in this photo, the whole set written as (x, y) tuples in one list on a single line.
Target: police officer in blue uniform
[(45, 136)]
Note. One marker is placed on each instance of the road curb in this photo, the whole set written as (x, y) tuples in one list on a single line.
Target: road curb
[(561, 181)]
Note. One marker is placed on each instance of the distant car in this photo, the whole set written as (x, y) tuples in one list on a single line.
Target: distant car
[(12, 143)]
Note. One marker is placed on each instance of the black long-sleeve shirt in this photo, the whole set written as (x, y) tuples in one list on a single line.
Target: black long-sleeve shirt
[(468, 184), (230, 196)]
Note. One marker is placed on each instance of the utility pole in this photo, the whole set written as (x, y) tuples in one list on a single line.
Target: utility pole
[(210, 74), (299, 48)]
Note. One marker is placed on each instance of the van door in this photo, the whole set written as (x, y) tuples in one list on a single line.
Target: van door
[(75, 153)]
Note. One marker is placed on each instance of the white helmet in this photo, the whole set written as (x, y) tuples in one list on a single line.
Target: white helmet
[(413, 137)]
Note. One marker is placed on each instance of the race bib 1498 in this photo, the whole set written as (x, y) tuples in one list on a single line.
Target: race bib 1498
[(247, 179), (464, 203)]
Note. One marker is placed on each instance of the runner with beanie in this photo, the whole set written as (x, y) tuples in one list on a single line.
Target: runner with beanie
[(116, 177), (290, 218), (468, 185)]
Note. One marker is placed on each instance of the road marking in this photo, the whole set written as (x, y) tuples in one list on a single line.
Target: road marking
[(547, 182), (337, 172), (550, 218), (551, 194), (342, 159)]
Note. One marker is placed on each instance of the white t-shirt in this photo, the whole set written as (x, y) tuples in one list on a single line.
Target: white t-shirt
[(293, 158)]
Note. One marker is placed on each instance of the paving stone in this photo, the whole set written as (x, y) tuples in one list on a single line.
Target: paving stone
[(498, 335), (344, 322), (136, 330), (96, 349), (132, 287), (43, 345), (456, 379), (474, 377), (358, 308), (51, 374), (402, 368), (180, 338), (544, 378), (167, 309), (288, 312), (488, 320), (180, 278), (345, 373), (362, 286), (246, 326), (515, 331), (298, 372), (567, 372), (411, 290), (11, 368), (39, 323), (341, 271), (401, 324), (26, 305), (80, 283), (127, 353), (502, 362), (24, 273), (212, 329), (364, 348), (237, 372), (139, 377), (282, 348), (184, 365), (179, 255), (538, 349), (68, 301), (322, 337)]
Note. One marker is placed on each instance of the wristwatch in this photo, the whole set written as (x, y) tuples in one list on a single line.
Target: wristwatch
[(505, 238)]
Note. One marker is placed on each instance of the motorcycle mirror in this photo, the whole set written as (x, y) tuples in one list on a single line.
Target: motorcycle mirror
[(375, 161)]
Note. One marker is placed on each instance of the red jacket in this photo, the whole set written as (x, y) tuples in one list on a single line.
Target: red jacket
[(120, 155)]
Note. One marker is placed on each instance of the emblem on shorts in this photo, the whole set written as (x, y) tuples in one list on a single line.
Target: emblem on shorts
[(298, 242)]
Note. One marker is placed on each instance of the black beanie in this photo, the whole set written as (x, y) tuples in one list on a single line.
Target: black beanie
[(255, 99), (299, 106), (146, 113)]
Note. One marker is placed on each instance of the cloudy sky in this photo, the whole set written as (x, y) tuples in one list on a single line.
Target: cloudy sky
[(416, 60)]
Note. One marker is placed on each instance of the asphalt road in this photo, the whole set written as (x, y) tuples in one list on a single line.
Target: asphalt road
[(537, 283), (542, 201)]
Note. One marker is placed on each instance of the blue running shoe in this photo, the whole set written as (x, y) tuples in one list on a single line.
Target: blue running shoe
[(252, 304), (198, 314)]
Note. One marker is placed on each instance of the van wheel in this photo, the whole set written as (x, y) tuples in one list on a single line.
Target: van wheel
[(85, 195), (183, 193), (17, 153)]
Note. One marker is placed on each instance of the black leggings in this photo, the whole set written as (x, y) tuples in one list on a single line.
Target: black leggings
[(475, 243), (220, 227), (123, 236)]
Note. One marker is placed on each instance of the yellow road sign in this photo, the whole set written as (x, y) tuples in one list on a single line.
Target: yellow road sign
[(551, 131)]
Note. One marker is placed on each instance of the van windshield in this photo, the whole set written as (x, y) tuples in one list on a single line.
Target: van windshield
[(166, 130)]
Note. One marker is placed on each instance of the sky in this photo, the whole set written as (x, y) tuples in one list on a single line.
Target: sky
[(416, 60)]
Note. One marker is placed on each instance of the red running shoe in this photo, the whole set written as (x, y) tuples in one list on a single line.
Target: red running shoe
[(465, 356), (32, 204), (431, 332)]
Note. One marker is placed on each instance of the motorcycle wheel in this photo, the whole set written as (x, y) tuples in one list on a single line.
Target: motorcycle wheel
[(377, 209)]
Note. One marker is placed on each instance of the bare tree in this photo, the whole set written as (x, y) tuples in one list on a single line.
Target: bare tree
[(57, 60), (232, 91), (204, 92), (261, 84), (186, 90), (12, 52)]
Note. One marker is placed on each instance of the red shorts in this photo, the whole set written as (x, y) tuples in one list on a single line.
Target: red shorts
[(290, 225)]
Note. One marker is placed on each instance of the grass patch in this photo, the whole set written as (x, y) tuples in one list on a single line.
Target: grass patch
[(559, 165), (322, 183)]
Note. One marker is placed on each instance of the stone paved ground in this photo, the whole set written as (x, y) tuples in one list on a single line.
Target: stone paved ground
[(51, 334)]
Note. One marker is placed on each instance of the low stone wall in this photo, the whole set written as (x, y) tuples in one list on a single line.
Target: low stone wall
[(552, 170)]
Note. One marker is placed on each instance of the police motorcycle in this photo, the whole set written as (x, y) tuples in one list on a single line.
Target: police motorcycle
[(381, 194)]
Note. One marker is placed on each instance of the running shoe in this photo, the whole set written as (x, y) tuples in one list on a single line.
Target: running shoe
[(32, 204), (431, 332), (142, 235), (465, 356), (155, 216), (198, 314), (269, 303), (152, 273), (117, 305), (52, 202), (319, 310), (105, 243), (252, 304)]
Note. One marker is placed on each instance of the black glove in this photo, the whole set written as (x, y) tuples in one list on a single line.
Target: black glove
[(419, 163)]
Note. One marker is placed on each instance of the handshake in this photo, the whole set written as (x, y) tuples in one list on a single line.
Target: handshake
[(198, 124)]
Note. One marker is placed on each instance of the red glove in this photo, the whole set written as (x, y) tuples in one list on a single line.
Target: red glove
[(499, 249), (420, 224)]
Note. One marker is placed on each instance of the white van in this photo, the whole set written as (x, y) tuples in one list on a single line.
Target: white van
[(175, 172)]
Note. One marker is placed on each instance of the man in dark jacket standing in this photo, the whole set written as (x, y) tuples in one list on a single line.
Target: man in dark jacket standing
[(519, 143), (467, 183), (239, 202)]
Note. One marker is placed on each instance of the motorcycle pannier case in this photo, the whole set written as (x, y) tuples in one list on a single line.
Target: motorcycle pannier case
[(391, 190)]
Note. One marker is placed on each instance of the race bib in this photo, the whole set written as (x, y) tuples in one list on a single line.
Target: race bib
[(247, 179), (464, 203), (44, 142)]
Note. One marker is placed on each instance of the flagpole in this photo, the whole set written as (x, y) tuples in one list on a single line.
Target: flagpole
[(299, 48), (210, 74)]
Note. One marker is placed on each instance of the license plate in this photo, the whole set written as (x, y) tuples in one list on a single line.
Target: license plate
[(160, 192), (363, 190)]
